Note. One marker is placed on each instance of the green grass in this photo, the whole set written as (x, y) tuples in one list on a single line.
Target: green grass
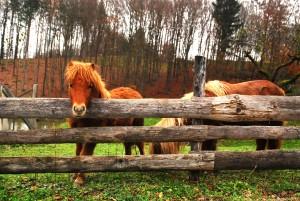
[(222, 185), (151, 121)]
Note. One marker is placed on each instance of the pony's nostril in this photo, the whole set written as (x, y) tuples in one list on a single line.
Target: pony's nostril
[(79, 109)]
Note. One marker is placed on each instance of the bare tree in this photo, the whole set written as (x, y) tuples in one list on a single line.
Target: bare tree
[(4, 21)]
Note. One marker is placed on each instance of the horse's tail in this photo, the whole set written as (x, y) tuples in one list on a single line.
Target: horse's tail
[(167, 147), (168, 122)]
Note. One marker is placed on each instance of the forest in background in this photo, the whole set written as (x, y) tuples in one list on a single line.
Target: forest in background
[(148, 44)]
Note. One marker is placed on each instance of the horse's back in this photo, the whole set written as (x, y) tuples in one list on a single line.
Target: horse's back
[(125, 93), (269, 88), (257, 87)]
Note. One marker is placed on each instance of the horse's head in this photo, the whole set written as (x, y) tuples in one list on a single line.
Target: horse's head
[(84, 84)]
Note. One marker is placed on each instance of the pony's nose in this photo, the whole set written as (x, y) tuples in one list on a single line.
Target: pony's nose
[(79, 110)]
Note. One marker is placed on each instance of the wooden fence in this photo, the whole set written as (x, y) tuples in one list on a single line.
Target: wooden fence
[(229, 108), (6, 123)]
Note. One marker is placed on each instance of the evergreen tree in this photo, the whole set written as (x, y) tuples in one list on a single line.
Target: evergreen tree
[(226, 14)]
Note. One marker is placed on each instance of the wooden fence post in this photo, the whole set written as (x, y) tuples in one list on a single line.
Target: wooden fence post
[(33, 122), (4, 123), (1, 88), (199, 84), (34, 90)]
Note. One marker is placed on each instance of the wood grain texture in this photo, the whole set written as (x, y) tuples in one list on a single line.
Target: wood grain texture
[(227, 108), (147, 134), (199, 91), (260, 160), (16, 165)]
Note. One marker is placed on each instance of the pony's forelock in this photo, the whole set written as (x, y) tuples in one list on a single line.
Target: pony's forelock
[(88, 73)]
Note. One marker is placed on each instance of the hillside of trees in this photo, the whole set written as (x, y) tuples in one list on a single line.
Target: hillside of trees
[(148, 44)]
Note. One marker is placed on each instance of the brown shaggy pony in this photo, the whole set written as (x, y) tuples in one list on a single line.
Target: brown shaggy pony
[(221, 88), (84, 84)]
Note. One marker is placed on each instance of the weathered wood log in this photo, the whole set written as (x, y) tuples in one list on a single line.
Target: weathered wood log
[(33, 122), (147, 134), (4, 93), (15, 165), (225, 108), (199, 91), (259, 160)]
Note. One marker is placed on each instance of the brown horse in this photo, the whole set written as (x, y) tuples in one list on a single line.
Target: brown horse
[(221, 88), (84, 84)]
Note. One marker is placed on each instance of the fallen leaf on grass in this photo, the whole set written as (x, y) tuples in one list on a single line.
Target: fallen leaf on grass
[(57, 197)]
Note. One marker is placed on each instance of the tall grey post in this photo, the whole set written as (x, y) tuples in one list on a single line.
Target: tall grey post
[(199, 90), (33, 122)]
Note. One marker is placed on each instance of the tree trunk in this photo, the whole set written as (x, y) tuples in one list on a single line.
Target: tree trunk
[(4, 22)]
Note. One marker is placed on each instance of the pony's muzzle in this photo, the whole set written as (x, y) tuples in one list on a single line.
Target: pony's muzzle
[(79, 110)]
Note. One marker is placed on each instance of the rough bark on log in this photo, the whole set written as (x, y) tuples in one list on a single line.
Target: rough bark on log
[(260, 160), (225, 108), (16, 165), (199, 91), (147, 134)]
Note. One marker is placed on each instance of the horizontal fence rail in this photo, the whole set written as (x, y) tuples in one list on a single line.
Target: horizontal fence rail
[(200, 161), (147, 134), (225, 108), (231, 108)]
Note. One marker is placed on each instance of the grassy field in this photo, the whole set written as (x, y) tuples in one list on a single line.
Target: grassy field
[(223, 185)]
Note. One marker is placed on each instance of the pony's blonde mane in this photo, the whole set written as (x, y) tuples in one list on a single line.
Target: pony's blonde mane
[(87, 72), (217, 87)]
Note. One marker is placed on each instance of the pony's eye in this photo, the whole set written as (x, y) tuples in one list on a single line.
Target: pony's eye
[(70, 85)]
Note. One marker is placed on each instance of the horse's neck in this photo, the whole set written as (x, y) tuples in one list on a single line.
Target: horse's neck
[(245, 88), (242, 88), (254, 87), (232, 89)]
